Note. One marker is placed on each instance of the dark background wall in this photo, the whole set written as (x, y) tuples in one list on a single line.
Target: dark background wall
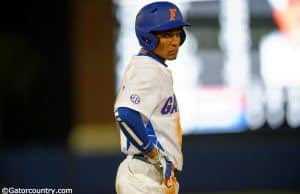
[(35, 101), (56, 68)]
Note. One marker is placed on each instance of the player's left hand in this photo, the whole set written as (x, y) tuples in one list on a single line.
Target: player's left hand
[(173, 187), (171, 184)]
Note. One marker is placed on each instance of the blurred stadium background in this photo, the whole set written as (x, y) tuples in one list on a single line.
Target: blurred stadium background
[(60, 63)]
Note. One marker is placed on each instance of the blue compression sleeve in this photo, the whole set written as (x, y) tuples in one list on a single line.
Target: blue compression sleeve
[(131, 124)]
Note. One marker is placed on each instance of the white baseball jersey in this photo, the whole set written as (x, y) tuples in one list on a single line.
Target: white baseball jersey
[(147, 87)]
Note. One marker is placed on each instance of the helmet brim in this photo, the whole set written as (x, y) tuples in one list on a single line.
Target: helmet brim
[(169, 26)]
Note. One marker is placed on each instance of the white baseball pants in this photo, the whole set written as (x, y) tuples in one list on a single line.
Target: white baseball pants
[(135, 176)]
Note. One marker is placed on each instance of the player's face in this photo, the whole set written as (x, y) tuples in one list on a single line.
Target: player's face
[(168, 46)]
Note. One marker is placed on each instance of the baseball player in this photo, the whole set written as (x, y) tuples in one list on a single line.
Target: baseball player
[(146, 108)]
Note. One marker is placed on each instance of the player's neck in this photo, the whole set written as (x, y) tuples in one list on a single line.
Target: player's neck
[(144, 52)]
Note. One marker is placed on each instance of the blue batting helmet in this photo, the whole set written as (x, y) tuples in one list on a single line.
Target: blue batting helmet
[(156, 17)]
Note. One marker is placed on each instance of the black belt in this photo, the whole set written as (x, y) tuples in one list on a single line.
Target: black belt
[(141, 157), (144, 159)]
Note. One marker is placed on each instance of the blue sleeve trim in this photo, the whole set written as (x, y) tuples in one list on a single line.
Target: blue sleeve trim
[(131, 124), (152, 136)]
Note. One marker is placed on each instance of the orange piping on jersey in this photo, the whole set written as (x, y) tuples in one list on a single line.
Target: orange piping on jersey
[(178, 131)]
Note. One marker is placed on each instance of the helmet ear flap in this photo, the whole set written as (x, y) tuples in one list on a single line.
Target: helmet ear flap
[(147, 40)]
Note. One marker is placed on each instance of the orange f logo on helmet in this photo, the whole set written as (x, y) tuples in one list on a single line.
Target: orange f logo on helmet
[(172, 14)]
